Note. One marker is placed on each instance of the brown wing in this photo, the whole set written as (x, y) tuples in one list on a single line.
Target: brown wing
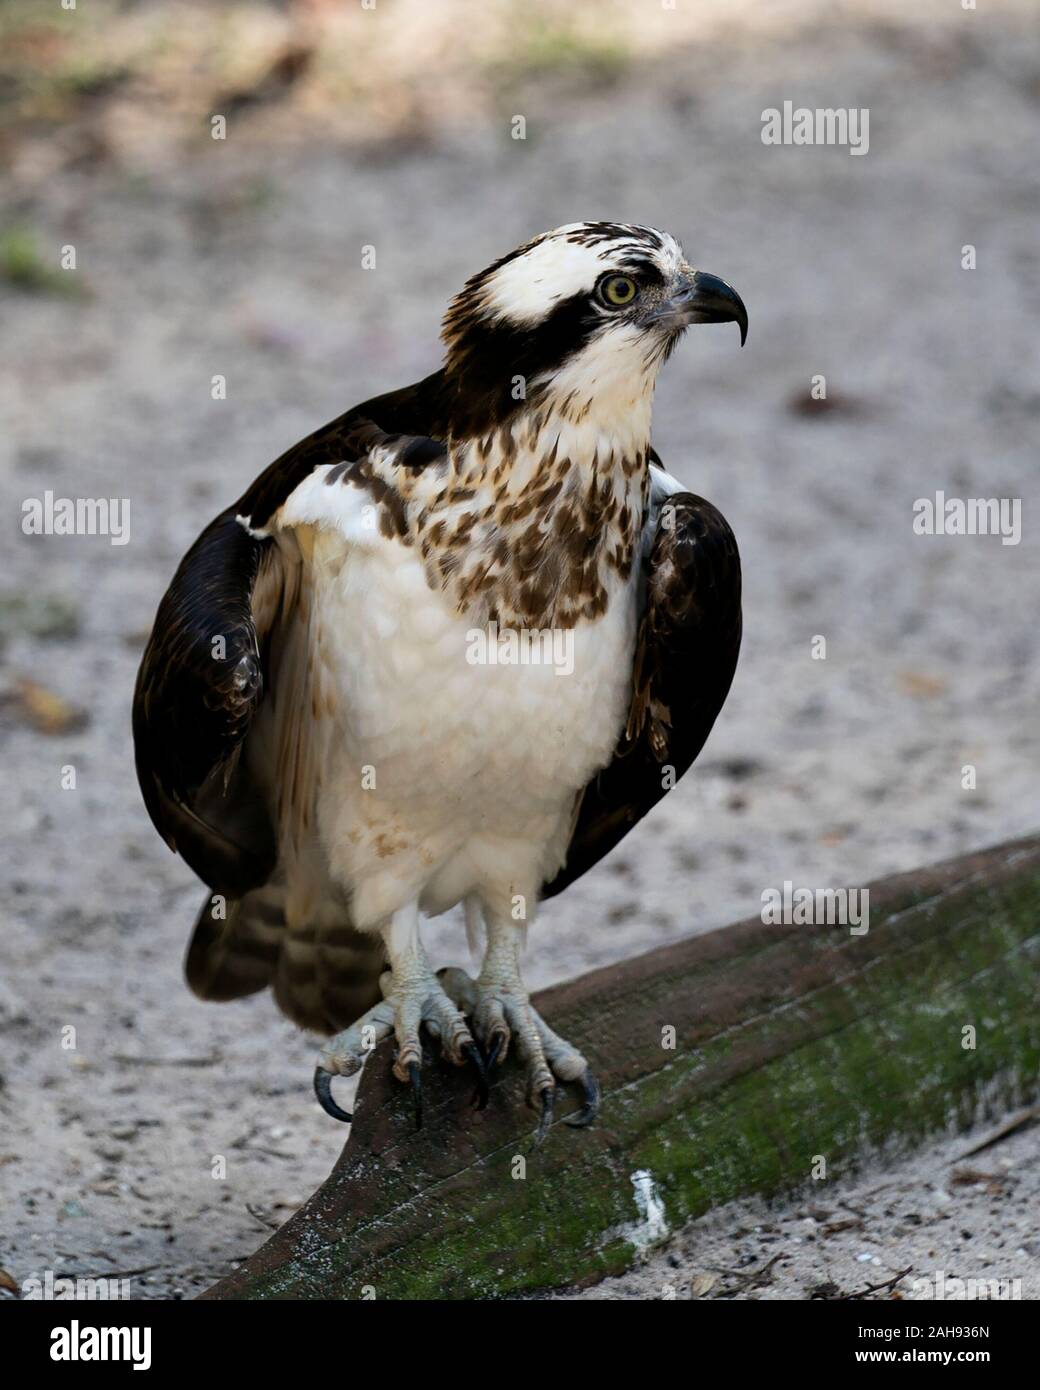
[(686, 652), (200, 683)]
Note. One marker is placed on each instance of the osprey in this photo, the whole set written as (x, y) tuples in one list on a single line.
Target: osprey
[(331, 725)]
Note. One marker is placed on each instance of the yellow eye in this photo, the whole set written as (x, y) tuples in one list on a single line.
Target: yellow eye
[(618, 289)]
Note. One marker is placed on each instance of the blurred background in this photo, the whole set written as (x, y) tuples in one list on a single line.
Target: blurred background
[(392, 127)]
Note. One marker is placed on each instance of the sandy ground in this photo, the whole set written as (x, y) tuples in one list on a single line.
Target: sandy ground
[(245, 261)]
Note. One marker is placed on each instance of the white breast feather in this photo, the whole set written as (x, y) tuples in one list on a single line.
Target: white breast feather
[(475, 766)]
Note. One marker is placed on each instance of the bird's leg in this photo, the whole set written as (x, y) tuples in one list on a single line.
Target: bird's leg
[(501, 1012), (412, 997)]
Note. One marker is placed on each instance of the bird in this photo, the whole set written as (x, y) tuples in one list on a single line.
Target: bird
[(448, 649)]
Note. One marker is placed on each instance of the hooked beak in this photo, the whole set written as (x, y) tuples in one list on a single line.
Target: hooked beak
[(702, 298)]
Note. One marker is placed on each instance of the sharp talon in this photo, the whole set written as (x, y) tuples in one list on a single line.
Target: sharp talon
[(548, 1101), (494, 1051), (589, 1111), (415, 1077), (480, 1095), (323, 1090)]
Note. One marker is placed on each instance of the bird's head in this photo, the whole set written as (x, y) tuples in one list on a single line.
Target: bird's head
[(581, 317)]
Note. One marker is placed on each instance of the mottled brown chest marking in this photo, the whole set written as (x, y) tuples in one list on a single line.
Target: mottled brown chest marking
[(390, 505), (530, 540), (539, 553)]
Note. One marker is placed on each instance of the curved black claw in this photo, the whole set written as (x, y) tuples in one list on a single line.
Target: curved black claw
[(415, 1077), (589, 1111), (548, 1101), (323, 1090), (494, 1052), (480, 1096)]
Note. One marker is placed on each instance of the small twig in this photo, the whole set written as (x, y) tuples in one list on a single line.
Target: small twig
[(127, 1060), (245, 1143), (1006, 1130), (887, 1285), (749, 1279)]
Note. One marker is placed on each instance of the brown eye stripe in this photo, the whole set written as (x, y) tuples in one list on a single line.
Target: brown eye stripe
[(643, 270)]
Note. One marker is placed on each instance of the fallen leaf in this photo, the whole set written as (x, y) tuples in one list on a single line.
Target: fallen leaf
[(994, 1183), (850, 1223), (800, 402), (828, 1290), (920, 685), (47, 712)]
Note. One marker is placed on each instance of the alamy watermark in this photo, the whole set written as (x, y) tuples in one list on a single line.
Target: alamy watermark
[(546, 646), (821, 125), (77, 516), (969, 516), (817, 907), (79, 1343), (56, 1288), (944, 1288)]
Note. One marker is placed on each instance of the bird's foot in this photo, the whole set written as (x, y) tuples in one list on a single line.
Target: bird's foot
[(409, 1004), (501, 1012)]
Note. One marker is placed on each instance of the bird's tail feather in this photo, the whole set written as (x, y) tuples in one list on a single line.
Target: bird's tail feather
[(234, 947), (324, 976)]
